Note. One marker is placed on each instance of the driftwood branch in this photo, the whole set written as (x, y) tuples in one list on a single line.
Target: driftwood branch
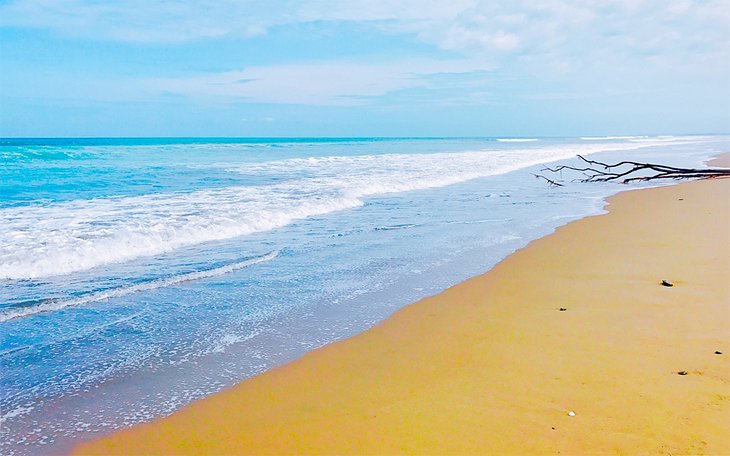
[(549, 181), (630, 171)]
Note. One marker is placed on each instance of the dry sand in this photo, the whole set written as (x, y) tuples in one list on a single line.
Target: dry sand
[(494, 366)]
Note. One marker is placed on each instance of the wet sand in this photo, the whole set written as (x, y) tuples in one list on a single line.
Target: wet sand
[(722, 161), (494, 365)]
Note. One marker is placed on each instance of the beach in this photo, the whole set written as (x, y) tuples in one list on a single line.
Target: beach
[(367, 228), (571, 345), (122, 303)]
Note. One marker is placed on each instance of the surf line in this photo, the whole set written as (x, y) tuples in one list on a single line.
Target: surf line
[(29, 308)]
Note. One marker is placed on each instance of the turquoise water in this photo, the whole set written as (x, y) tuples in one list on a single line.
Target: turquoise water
[(137, 275)]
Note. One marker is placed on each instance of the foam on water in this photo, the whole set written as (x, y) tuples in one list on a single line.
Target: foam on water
[(42, 240), (610, 138), (517, 140), (49, 305), (17, 411)]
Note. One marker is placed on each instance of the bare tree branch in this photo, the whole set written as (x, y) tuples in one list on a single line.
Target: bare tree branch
[(630, 171), (549, 181)]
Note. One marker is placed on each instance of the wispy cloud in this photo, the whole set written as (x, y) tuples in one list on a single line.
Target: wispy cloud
[(563, 35), (568, 58), (323, 83), (551, 36), (470, 26), (170, 21), (142, 21)]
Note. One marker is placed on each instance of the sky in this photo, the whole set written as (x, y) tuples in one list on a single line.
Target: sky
[(363, 67)]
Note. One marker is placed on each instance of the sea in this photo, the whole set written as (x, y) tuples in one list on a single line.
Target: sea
[(140, 274)]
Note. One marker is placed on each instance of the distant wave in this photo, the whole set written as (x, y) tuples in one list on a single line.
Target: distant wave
[(49, 305), (52, 239), (608, 138), (516, 140), (402, 226)]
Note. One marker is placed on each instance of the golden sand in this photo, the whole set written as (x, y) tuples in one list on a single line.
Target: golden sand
[(493, 365)]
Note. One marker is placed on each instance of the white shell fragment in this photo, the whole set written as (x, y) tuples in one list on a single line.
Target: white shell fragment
[(571, 413)]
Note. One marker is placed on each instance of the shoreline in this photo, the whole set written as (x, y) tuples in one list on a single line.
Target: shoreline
[(493, 365), (722, 161)]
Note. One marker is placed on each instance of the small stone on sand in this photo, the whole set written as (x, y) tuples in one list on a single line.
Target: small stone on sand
[(718, 352), (667, 283), (682, 372), (571, 413)]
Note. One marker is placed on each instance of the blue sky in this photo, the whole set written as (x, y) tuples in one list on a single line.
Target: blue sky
[(363, 68)]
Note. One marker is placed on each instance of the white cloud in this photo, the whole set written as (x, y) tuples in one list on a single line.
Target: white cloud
[(175, 21), (325, 83), (381, 10), (458, 25), (585, 38), (143, 21)]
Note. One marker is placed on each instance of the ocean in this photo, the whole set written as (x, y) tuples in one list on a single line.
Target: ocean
[(138, 275)]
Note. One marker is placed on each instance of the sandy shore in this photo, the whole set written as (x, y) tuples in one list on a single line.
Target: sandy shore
[(722, 161), (494, 365)]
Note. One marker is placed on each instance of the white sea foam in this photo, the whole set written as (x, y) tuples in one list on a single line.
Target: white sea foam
[(61, 238), (517, 140), (49, 305), (17, 411), (610, 138)]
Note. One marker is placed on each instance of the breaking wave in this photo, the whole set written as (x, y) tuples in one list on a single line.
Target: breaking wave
[(610, 138), (516, 140), (43, 240), (25, 309)]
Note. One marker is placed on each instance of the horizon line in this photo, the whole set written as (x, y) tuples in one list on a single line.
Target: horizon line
[(617, 135)]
